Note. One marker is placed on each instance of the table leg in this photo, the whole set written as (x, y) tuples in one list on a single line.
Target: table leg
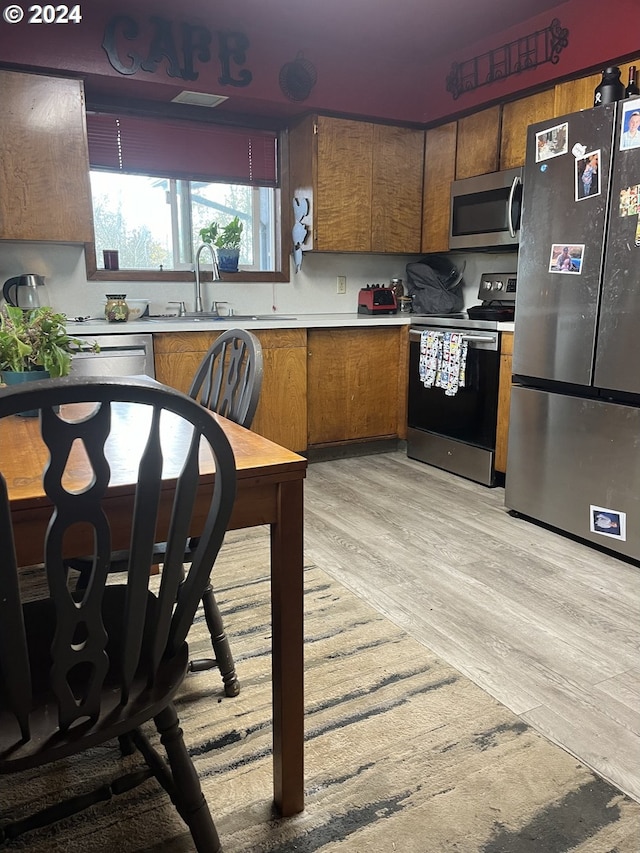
[(287, 649)]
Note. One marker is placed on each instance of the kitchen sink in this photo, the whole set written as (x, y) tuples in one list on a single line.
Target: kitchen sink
[(206, 317)]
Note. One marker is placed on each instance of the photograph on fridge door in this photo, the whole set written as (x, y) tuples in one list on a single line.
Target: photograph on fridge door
[(629, 200), (630, 135), (608, 522), (552, 142), (566, 257), (588, 176)]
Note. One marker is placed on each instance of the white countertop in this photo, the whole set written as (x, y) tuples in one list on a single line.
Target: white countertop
[(286, 321)]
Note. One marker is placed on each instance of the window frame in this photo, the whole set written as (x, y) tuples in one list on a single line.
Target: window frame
[(280, 274)]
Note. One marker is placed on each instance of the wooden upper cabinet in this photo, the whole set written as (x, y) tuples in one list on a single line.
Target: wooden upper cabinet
[(439, 171), (516, 118), (396, 199), (478, 143), (365, 181), (575, 95), (342, 200), (45, 193)]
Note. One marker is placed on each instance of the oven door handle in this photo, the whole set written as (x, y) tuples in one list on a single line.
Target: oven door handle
[(471, 339)]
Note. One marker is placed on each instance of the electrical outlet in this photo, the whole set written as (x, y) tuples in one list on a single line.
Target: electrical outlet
[(341, 286)]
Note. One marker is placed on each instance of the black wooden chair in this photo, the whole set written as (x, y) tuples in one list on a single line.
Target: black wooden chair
[(79, 668), (228, 381)]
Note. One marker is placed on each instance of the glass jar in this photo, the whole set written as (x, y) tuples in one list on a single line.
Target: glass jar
[(406, 304), (116, 310)]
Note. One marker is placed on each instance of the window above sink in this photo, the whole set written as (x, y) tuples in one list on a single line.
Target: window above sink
[(154, 222), (156, 182)]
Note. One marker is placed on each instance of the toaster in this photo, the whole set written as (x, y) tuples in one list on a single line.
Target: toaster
[(376, 299)]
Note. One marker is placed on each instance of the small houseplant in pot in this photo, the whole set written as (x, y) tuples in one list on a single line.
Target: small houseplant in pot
[(226, 239), (34, 344)]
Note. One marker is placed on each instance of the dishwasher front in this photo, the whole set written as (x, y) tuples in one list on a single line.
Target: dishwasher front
[(120, 355)]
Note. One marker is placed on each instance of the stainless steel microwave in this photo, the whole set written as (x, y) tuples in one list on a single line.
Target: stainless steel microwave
[(485, 211)]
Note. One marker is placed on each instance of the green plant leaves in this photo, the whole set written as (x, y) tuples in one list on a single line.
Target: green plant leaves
[(223, 237), (36, 338)]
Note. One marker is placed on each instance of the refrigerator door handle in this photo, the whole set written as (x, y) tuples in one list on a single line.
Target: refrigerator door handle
[(516, 181)]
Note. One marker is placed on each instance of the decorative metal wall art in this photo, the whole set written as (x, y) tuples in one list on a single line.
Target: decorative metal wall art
[(178, 49), (297, 78), (521, 55)]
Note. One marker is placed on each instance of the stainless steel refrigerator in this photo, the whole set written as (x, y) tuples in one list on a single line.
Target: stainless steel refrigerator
[(574, 434)]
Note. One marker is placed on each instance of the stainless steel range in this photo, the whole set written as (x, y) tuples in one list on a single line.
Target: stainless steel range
[(452, 423)]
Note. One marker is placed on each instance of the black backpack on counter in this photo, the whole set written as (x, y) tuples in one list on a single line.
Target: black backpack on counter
[(435, 285)]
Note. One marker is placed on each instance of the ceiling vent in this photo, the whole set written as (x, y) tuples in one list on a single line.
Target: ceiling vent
[(199, 99)]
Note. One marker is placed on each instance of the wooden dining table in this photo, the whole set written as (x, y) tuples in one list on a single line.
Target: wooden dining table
[(270, 482)]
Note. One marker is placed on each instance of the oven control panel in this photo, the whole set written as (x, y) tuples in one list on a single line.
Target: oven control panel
[(497, 286)]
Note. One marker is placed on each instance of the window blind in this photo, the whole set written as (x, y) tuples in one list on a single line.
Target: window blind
[(182, 149)]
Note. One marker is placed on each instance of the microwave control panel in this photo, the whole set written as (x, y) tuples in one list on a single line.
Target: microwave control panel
[(497, 286)]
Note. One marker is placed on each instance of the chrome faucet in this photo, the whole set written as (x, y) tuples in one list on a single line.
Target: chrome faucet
[(216, 273)]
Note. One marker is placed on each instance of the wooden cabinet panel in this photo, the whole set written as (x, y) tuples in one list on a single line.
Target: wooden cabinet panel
[(575, 95), (303, 154), (342, 216), (44, 160), (439, 171), (478, 143), (516, 117), (396, 201), (504, 402), (365, 181), (353, 384), (282, 412), (403, 382), (177, 369)]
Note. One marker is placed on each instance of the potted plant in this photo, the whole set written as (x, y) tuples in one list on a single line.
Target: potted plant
[(34, 344), (226, 239)]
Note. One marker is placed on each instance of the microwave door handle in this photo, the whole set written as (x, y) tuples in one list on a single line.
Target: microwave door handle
[(512, 230)]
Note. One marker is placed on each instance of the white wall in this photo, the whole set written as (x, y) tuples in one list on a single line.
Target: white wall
[(310, 291)]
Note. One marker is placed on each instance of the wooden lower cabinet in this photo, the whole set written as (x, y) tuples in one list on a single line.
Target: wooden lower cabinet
[(356, 384), (504, 401), (321, 386), (282, 412)]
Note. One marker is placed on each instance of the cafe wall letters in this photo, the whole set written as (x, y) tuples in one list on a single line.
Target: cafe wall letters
[(179, 46)]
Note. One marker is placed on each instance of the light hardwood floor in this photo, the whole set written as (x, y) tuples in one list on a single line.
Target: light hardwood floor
[(548, 626)]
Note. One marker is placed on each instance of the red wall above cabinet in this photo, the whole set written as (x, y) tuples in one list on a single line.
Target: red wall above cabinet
[(369, 58)]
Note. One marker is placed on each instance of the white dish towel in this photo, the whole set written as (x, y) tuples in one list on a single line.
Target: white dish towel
[(443, 361)]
